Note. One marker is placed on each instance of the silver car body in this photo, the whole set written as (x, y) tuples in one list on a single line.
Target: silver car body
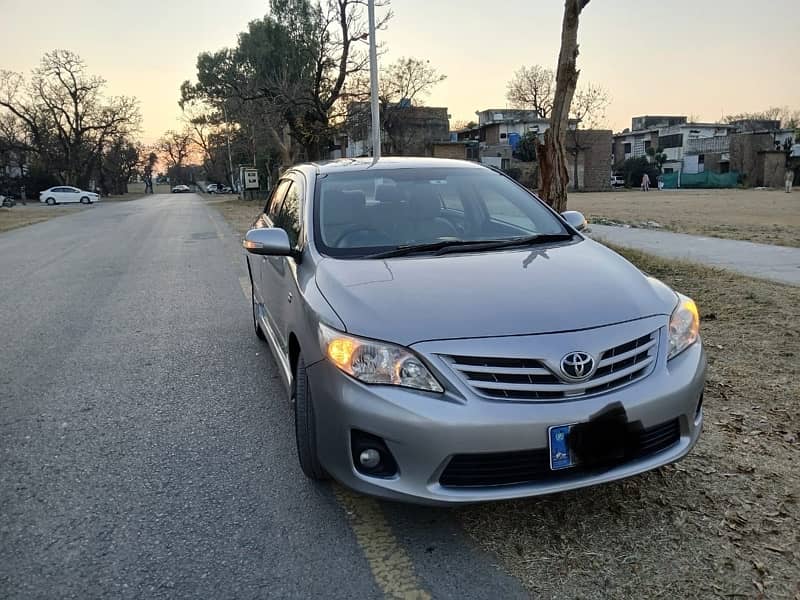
[(467, 314)]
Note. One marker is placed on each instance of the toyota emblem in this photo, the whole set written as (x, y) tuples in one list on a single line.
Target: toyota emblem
[(577, 365)]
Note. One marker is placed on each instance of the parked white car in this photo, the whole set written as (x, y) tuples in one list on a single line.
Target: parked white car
[(64, 194), (181, 189)]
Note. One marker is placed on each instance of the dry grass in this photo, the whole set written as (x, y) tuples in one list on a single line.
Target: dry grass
[(724, 522), (765, 216), (239, 213), (23, 215)]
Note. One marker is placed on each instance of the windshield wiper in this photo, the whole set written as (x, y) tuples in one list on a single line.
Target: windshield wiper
[(407, 249), (540, 238), (450, 246)]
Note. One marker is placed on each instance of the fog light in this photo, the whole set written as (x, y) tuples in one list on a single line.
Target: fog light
[(369, 458)]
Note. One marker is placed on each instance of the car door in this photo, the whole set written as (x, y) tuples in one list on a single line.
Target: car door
[(58, 194), (263, 283), (71, 194), (280, 272)]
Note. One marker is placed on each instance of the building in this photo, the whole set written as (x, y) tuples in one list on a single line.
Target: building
[(406, 130), (683, 143)]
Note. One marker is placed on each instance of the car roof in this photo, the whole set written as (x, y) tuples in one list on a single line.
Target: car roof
[(350, 165)]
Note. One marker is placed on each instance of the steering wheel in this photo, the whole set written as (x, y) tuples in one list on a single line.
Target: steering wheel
[(381, 237)]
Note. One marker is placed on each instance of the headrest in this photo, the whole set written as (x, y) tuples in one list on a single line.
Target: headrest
[(343, 208), (425, 203), (387, 194)]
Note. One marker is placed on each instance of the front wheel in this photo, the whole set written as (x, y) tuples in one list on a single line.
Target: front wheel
[(84, 200), (305, 427)]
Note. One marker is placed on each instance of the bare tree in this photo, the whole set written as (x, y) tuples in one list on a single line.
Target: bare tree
[(532, 88), (789, 118), (587, 112), (553, 176), (67, 119), (175, 147)]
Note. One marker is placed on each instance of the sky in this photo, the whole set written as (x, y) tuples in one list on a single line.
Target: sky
[(688, 57)]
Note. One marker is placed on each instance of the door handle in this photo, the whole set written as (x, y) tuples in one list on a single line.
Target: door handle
[(289, 297)]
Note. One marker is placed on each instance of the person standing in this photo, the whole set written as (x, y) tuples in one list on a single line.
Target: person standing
[(788, 180), (645, 182)]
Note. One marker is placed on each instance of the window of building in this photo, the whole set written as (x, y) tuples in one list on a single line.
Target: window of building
[(671, 141), (627, 148), (647, 144), (503, 136), (701, 159), (668, 170)]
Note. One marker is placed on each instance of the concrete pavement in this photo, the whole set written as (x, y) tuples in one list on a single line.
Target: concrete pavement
[(776, 263), (146, 444)]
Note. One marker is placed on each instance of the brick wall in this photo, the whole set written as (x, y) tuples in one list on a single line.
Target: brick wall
[(772, 169), (450, 150), (594, 159), (744, 155)]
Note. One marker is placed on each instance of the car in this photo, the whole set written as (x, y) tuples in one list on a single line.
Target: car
[(212, 188), (617, 181), (446, 337), (64, 194), (181, 189), (225, 189)]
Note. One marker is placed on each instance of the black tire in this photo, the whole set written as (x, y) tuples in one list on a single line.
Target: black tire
[(305, 427), (51, 201), (259, 333), (84, 200), (7, 203)]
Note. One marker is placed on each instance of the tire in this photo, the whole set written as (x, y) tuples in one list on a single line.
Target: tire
[(259, 333), (7, 203), (305, 428), (85, 200), (51, 201)]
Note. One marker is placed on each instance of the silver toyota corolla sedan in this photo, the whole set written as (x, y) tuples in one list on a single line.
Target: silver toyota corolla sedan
[(446, 337)]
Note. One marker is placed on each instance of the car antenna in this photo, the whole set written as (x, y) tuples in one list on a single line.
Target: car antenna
[(373, 79)]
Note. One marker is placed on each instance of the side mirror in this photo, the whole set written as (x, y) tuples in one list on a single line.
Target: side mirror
[(576, 219), (270, 241)]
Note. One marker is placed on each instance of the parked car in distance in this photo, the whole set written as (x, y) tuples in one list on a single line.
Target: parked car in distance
[(181, 189), (212, 188), (617, 181), (64, 194), (225, 190), (446, 337)]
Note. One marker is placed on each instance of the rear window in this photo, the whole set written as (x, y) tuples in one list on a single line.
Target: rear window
[(369, 211)]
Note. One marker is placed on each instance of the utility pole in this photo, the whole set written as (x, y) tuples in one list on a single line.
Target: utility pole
[(373, 78), (228, 139)]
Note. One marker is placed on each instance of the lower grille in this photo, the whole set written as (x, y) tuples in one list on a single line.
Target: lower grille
[(529, 466)]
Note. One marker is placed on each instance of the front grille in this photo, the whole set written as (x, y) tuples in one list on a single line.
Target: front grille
[(533, 466), (532, 379)]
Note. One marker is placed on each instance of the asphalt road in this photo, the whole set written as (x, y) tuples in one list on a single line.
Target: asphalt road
[(147, 446)]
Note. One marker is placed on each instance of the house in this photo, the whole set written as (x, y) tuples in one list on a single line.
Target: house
[(685, 144), (498, 131), (406, 130)]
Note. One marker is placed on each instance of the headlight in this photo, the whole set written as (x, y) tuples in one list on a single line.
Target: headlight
[(376, 362), (684, 326)]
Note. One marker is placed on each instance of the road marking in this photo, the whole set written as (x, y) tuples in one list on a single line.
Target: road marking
[(389, 562)]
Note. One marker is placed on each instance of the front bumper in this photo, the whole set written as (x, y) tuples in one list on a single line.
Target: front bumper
[(424, 430)]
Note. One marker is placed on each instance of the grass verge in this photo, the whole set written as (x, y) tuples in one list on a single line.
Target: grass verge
[(725, 521)]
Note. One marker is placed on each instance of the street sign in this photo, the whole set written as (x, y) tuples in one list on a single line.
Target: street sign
[(250, 179)]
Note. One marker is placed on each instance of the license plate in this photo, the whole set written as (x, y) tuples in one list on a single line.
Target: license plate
[(560, 454)]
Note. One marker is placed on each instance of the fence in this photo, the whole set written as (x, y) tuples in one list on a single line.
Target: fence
[(706, 179)]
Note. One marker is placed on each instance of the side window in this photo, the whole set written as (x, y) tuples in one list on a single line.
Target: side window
[(289, 216), (275, 201)]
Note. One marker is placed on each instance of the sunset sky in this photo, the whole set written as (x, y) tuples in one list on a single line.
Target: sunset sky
[(701, 57)]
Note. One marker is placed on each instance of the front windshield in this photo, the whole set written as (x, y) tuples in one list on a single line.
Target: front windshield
[(362, 213)]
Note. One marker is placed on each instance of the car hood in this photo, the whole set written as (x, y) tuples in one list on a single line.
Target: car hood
[(527, 291)]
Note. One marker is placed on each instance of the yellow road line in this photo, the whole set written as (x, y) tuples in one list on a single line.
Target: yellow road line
[(389, 562)]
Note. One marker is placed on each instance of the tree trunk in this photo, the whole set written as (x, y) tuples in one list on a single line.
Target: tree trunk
[(552, 156)]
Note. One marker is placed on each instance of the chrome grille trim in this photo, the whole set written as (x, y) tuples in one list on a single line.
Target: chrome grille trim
[(523, 379)]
